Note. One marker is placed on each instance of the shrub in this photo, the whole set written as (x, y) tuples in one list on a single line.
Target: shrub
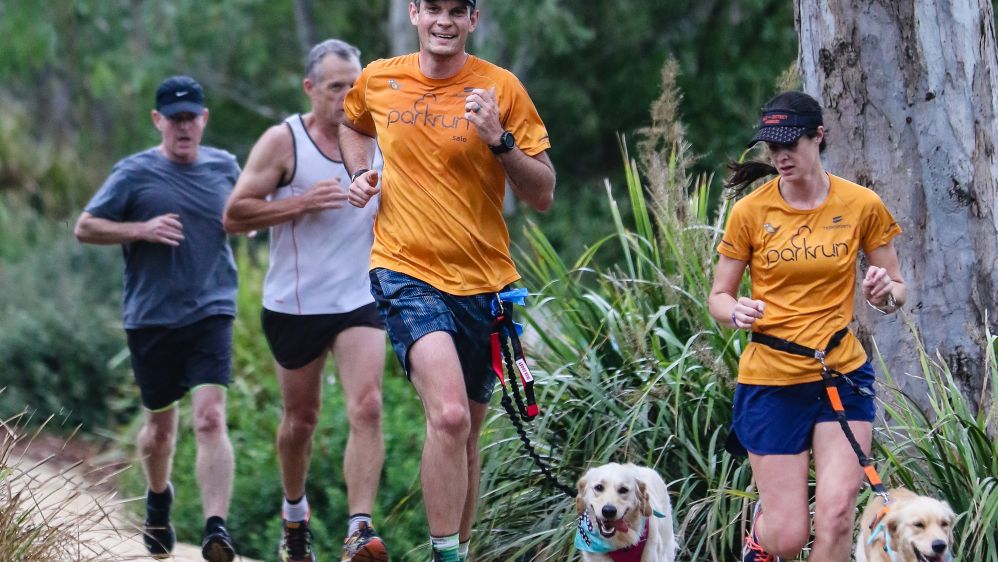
[(62, 344)]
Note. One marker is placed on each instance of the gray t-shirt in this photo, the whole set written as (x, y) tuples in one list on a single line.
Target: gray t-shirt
[(171, 286)]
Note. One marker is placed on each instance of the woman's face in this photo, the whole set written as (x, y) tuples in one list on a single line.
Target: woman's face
[(798, 160)]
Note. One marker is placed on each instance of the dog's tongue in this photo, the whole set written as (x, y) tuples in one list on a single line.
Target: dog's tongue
[(621, 525)]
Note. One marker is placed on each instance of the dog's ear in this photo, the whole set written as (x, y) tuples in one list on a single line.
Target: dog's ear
[(891, 522), (643, 502), (580, 503)]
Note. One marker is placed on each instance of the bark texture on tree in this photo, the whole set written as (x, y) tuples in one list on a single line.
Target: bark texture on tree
[(910, 90)]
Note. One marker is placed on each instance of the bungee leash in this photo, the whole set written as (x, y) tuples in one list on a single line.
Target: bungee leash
[(829, 376), (506, 335)]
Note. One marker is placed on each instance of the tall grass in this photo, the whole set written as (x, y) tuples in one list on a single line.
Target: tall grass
[(47, 512), (950, 450)]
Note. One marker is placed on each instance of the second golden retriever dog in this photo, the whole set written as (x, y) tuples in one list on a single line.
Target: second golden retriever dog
[(914, 529), (624, 515)]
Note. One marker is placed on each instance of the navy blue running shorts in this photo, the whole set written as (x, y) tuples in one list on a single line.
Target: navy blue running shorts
[(780, 420), (169, 362), (297, 340), (412, 309)]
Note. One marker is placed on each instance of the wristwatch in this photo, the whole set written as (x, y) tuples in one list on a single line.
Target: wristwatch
[(890, 306), (506, 143), (358, 173)]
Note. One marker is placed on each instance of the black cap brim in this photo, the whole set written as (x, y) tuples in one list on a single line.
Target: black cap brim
[(174, 108), (777, 135)]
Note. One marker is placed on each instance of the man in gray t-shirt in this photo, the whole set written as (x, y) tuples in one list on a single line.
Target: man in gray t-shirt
[(164, 207)]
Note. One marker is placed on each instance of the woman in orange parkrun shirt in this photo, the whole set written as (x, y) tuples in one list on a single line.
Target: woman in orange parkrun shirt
[(800, 235)]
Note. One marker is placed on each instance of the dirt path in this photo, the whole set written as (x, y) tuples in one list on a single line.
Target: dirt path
[(84, 501)]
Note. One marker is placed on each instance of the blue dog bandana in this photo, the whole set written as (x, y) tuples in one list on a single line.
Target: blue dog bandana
[(588, 539)]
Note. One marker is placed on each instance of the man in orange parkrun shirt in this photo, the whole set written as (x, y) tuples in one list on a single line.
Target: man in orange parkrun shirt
[(800, 235), (452, 129)]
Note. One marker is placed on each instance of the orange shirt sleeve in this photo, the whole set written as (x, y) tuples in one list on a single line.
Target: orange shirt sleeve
[(523, 120), (355, 105), (736, 242), (879, 226)]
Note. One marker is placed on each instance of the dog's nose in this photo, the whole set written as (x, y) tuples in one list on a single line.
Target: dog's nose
[(610, 512), (938, 546)]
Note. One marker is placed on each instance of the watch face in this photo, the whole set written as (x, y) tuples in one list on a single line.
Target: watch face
[(507, 140)]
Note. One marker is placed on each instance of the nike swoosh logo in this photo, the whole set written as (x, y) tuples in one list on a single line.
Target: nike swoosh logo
[(181, 94)]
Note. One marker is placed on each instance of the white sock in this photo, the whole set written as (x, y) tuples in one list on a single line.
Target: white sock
[(356, 520), (295, 511), (462, 550)]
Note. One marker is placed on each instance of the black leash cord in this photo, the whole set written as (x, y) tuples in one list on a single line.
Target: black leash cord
[(515, 417)]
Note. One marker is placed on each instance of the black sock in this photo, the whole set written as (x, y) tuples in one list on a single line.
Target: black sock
[(213, 523), (158, 505)]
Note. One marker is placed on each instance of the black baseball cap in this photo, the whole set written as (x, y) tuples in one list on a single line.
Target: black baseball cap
[(470, 2), (783, 126), (179, 94)]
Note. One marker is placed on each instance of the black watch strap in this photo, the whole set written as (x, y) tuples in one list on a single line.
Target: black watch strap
[(358, 173), (506, 143)]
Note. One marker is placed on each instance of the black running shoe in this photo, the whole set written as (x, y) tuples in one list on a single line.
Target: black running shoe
[(296, 543), (217, 546), (159, 539), (157, 533)]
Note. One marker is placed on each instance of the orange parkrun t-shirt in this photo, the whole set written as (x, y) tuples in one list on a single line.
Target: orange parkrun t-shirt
[(802, 264), (440, 218)]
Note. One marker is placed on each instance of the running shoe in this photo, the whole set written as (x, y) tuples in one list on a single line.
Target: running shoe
[(752, 551), (296, 542), (364, 545), (217, 546)]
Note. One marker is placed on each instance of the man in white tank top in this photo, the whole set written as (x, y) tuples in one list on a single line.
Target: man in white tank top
[(317, 297)]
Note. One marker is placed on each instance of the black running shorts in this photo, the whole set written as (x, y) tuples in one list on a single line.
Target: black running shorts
[(297, 340), (169, 362)]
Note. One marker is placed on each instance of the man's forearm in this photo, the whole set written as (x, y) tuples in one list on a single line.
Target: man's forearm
[(251, 213), (94, 230), (356, 149), (531, 178)]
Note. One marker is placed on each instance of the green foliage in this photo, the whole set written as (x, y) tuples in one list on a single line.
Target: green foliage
[(254, 410), (61, 341), (34, 170)]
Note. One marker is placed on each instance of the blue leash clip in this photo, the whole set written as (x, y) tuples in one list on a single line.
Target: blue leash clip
[(512, 296)]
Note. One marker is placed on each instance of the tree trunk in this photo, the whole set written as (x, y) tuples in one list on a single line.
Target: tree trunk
[(909, 90), (401, 33), (305, 25)]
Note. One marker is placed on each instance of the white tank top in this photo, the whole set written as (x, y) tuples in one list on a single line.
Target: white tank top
[(319, 261)]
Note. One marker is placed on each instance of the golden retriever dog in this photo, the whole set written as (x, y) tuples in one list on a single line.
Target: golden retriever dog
[(917, 529), (623, 504)]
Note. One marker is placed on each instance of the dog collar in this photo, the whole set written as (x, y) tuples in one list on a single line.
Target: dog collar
[(588, 539)]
